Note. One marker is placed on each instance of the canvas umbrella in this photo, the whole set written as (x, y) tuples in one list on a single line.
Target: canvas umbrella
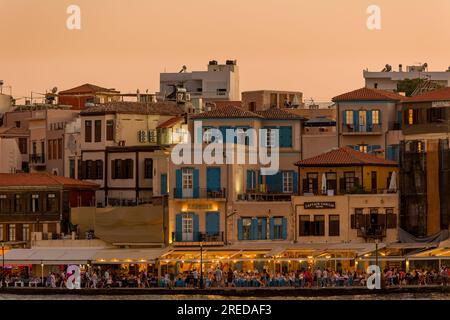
[(393, 182), (324, 184)]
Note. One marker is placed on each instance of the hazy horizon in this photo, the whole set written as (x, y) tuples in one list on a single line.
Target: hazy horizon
[(317, 47)]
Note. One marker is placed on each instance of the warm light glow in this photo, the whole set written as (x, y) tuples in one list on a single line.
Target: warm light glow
[(310, 257), (366, 255), (328, 257)]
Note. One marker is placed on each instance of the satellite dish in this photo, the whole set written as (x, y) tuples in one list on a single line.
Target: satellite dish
[(54, 90)]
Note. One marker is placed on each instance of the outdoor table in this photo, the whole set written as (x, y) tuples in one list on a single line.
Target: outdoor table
[(18, 283)]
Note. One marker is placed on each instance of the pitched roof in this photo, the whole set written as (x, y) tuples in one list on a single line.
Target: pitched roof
[(223, 103), (278, 114), (161, 108), (14, 131), (442, 94), (172, 121), (86, 88), (369, 94), (344, 156), (42, 179), (226, 111)]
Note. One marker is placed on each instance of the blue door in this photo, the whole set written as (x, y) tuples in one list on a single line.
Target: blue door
[(212, 223), (213, 179)]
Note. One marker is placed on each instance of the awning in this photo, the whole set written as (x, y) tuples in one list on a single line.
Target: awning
[(123, 256), (50, 256)]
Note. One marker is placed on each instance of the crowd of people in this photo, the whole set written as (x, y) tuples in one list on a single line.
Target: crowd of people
[(219, 278)]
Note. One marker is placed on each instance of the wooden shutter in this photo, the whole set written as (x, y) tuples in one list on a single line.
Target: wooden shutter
[(113, 169), (305, 186), (353, 221), (342, 188), (391, 221)]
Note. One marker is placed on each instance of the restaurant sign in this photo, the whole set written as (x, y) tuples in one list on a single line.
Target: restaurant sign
[(320, 205)]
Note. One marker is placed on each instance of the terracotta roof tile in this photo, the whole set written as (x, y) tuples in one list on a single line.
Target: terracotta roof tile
[(13, 131), (369, 94), (278, 114), (344, 157), (226, 111), (435, 95), (172, 121), (161, 108), (42, 179), (86, 88)]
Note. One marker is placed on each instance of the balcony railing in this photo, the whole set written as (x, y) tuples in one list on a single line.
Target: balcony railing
[(252, 195), (372, 232), (354, 190), (180, 237), (361, 129), (37, 158), (199, 193)]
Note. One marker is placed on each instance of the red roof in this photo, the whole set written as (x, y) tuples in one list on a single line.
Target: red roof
[(171, 122), (229, 111), (224, 103), (87, 88), (344, 157), (435, 95), (42, 179), (278, 114), (369, 94)]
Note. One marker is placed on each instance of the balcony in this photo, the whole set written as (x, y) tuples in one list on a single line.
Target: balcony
[(195, 238), (372, 231), (199, 193), (252, 195), (37, 159), (350, 129), (354, 190)]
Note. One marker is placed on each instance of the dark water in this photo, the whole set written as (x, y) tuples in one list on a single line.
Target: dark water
[(400, 296)]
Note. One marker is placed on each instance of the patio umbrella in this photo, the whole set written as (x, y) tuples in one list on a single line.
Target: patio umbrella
[(324, 183), (393, 182)]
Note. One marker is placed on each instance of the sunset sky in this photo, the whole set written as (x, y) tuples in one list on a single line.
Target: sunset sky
[(318, 47)]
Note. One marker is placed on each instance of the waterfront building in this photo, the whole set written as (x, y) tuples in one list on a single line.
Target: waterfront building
[(369, 120), (87, 94), (35, 206), (346, 197), (424, 163), (387, 79), (218, 82), (266, 99), (123, 149), (234, 203)]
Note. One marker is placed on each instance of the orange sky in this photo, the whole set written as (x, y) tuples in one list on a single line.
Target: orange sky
[(319, 47)]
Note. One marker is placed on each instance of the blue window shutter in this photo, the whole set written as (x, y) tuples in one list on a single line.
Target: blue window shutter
[(196, 227), (240, 229), (356, 120), (285, 137), (376, 147), (249, 179), (275, 182), (379, 117), (369, 148), (271, 228), (260, 177), (213, 179), (390, 153), (212, 222), (344, 117), (284, 229), (399, 118), (196, 183), (254, 232), (369, 120), (178, 227), (264, 228), (295, 181), (357, 148), (179, 184), (163, 190)]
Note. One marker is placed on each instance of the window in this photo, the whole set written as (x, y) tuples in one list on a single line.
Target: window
[(304, 226), (410, 116), (55, 149), (98, 169), (60, 149), (331, 181), (251, 180), (18, 204), (319, 225), (357, 220), (50, 149), (26, 232), (12, 232), (261, 228), (109, 130), (349, 178), (375, 117), (72, 168), (89, 169), (52, 203), (34, 203), (17, 123), (88, 131), (246, 228), (122, 169), (98, 130), (148, 168), (188, 182), (277, 228), (349, 117), (288, 180), (391, 218), (333, 225), (362, 121), (4, 204), (187, 227), (23, 147), (311, 184), (362, 148)]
